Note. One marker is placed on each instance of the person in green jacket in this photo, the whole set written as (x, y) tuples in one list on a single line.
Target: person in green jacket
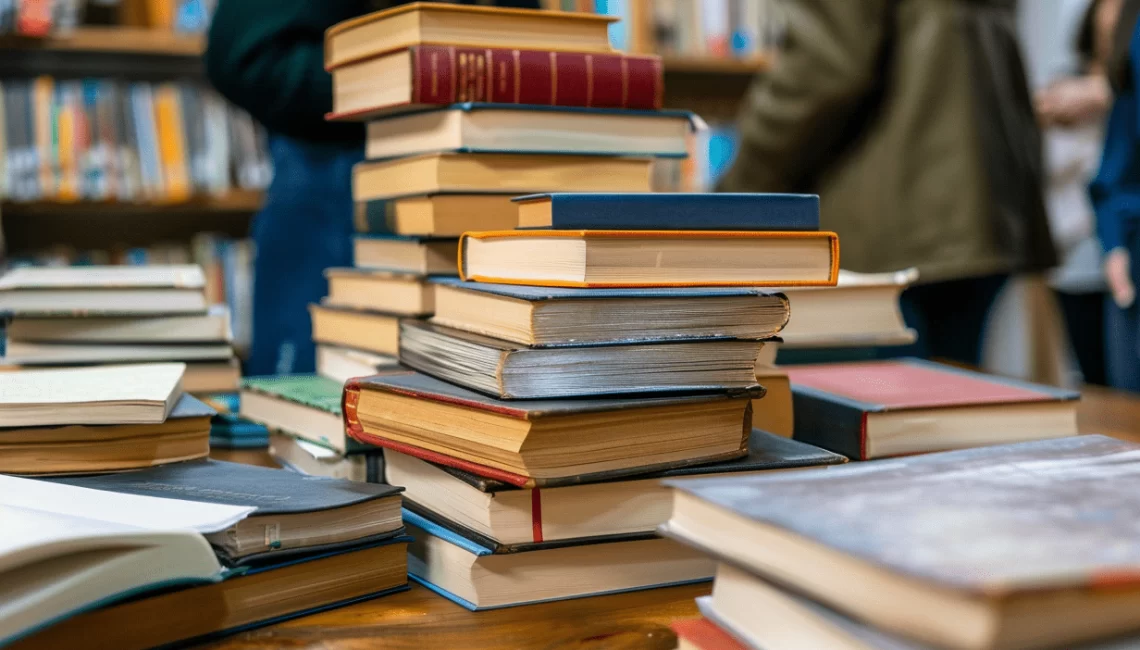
[(913, 122), (267, 56)]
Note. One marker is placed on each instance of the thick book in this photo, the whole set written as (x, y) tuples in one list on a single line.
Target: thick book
[(650, 258), (478, 577), (246, 600), (497, 128), (340, 363), (524, 443), (26, 353), (82, 449), (106, 290), (128, 394), (372, 331), (467, 26), (425, 76), (611, 507), (869, 302), (507, 370), (669, 211), (68, 549), (436, 215), (306, 406), (1039, 553), (908, 406), (561, 316), (406, 294), (405, 254), (86, 327), (294, 514)]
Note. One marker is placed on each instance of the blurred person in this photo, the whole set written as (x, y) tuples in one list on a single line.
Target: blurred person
[(914, 124), (1116, 198), (267, 56)]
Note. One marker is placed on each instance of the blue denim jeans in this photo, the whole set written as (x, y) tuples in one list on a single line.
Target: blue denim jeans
[(304, 228)]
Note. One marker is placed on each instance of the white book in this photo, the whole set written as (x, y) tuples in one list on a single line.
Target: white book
[(213, 326), (104, 290), (131, 394), (66, 549), (341, 364), (23, 353)]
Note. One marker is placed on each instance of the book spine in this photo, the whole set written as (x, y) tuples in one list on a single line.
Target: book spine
[(444, 75), (375, 217), (825, 422)]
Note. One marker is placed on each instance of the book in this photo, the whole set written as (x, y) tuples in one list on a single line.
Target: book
[(508, 370), (1039, 543), (368, 331), (406, 294), (26, 353), (703, 634), (524, 443), (497, 173), (212, 377), (609, 507), (255, 598), (506, 129), (305, 406), (869, 303), (554, 316), (875, 409), (436, 215), (294, 514), (406, 254), (111, 290), (74, 448), (304, 457), (213, 326), (649, 258), (231, 431), (468, 26), (669, 211), (67, 549), (477, 578), (341, 364), (429, 75), (775, 412), (129, 394)]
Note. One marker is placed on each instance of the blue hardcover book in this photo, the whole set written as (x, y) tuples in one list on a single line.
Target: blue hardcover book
[(552, 573), (669, 211), (231, 431)]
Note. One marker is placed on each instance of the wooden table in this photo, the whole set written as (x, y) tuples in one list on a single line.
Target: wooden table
[(420, 620)]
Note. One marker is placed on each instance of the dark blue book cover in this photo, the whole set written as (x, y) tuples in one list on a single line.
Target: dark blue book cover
[(669, 211)]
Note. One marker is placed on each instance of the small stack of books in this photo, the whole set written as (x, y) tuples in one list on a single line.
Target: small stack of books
[(1026, 545), (113, 562), (78, 316)]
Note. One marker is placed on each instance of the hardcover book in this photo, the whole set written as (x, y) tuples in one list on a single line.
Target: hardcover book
[(669, 211), (909, 406), (87, 327), (406, 294), (371, 331), (306, 406), (231, 431), (108, 290), (436, 215), (869, 303), (405, 254), (562, 316), (1012, 546), (525, 444)]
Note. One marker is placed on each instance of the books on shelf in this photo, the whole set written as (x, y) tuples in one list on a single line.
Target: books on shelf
[(1023, 565), (741, 29), (494, 128), (405, 254), (103, 290), (373, 332), (436, 215), (305, 406), (508, 370), (891, 408), (648, 211), (128, 394), (406, 294), (341, 364), (649, 258)]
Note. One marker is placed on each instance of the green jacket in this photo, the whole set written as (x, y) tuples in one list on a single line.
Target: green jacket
[(913, 122)]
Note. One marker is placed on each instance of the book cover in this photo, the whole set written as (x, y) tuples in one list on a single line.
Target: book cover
[(676, 211), (540, 294), (313, 391), (832, 401)]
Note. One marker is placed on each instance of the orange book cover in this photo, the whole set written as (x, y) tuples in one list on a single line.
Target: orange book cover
[(171, 143)]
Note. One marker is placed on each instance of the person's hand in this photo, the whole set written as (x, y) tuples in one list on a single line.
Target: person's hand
[(1073, 101), (1118, 273)]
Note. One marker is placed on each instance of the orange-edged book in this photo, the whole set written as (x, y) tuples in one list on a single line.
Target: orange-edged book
[(650, 258), (468, 26)]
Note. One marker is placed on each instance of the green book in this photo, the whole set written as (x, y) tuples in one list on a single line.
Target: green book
[(303, 406)]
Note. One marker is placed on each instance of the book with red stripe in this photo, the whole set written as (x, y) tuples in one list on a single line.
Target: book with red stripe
[(429, 76), (528, 443), (908, 406)]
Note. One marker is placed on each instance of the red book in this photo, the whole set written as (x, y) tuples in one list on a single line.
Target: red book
[(703, 634), (891, 408), (425, 76)]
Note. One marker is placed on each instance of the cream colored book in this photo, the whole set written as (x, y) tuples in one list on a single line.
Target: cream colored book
[(131, 394), (104, 290), (867, 302)]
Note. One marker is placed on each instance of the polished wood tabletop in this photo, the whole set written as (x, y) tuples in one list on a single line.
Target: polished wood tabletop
[(420, 620)]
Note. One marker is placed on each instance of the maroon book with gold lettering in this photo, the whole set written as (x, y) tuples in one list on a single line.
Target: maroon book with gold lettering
[(426, 76)]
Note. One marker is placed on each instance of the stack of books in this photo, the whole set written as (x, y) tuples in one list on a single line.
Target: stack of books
[(114, 562), (1040, 552), (91, 315)]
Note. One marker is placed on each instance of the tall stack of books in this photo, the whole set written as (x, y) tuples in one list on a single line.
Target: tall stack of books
[(1011, 546), (119, 314)]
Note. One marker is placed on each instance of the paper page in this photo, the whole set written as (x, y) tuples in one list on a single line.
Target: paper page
[(185, 276), (152, 382), (151, 513)]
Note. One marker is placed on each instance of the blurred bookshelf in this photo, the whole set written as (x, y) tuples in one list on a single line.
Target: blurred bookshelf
[(686, 65), (116, 39)]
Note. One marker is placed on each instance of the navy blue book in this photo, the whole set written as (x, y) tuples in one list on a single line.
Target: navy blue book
[(447, 561), (669, 211), (287, 504), (569, 316)]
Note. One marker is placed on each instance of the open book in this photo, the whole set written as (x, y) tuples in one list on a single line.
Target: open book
[(67, 549)]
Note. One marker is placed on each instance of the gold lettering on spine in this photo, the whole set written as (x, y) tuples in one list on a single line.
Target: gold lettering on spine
[(434, 76), (589, 80), (490, 75), (463, 77), (480, 75), (624, 82), (553, 78), (518, 81), (658, 88), (503, 79), (454, 79)]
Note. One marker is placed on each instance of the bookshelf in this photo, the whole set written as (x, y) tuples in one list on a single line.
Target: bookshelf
[(113, 39)]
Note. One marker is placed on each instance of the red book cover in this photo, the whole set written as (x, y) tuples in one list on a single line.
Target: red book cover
[(444, 75), (705, 635)]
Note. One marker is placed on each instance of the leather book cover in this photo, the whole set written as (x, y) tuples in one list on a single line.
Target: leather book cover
[(679, 211)]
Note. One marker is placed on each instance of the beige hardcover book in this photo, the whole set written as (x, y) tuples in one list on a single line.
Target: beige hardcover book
[(143, 393), (356, 329), (438, 215)]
